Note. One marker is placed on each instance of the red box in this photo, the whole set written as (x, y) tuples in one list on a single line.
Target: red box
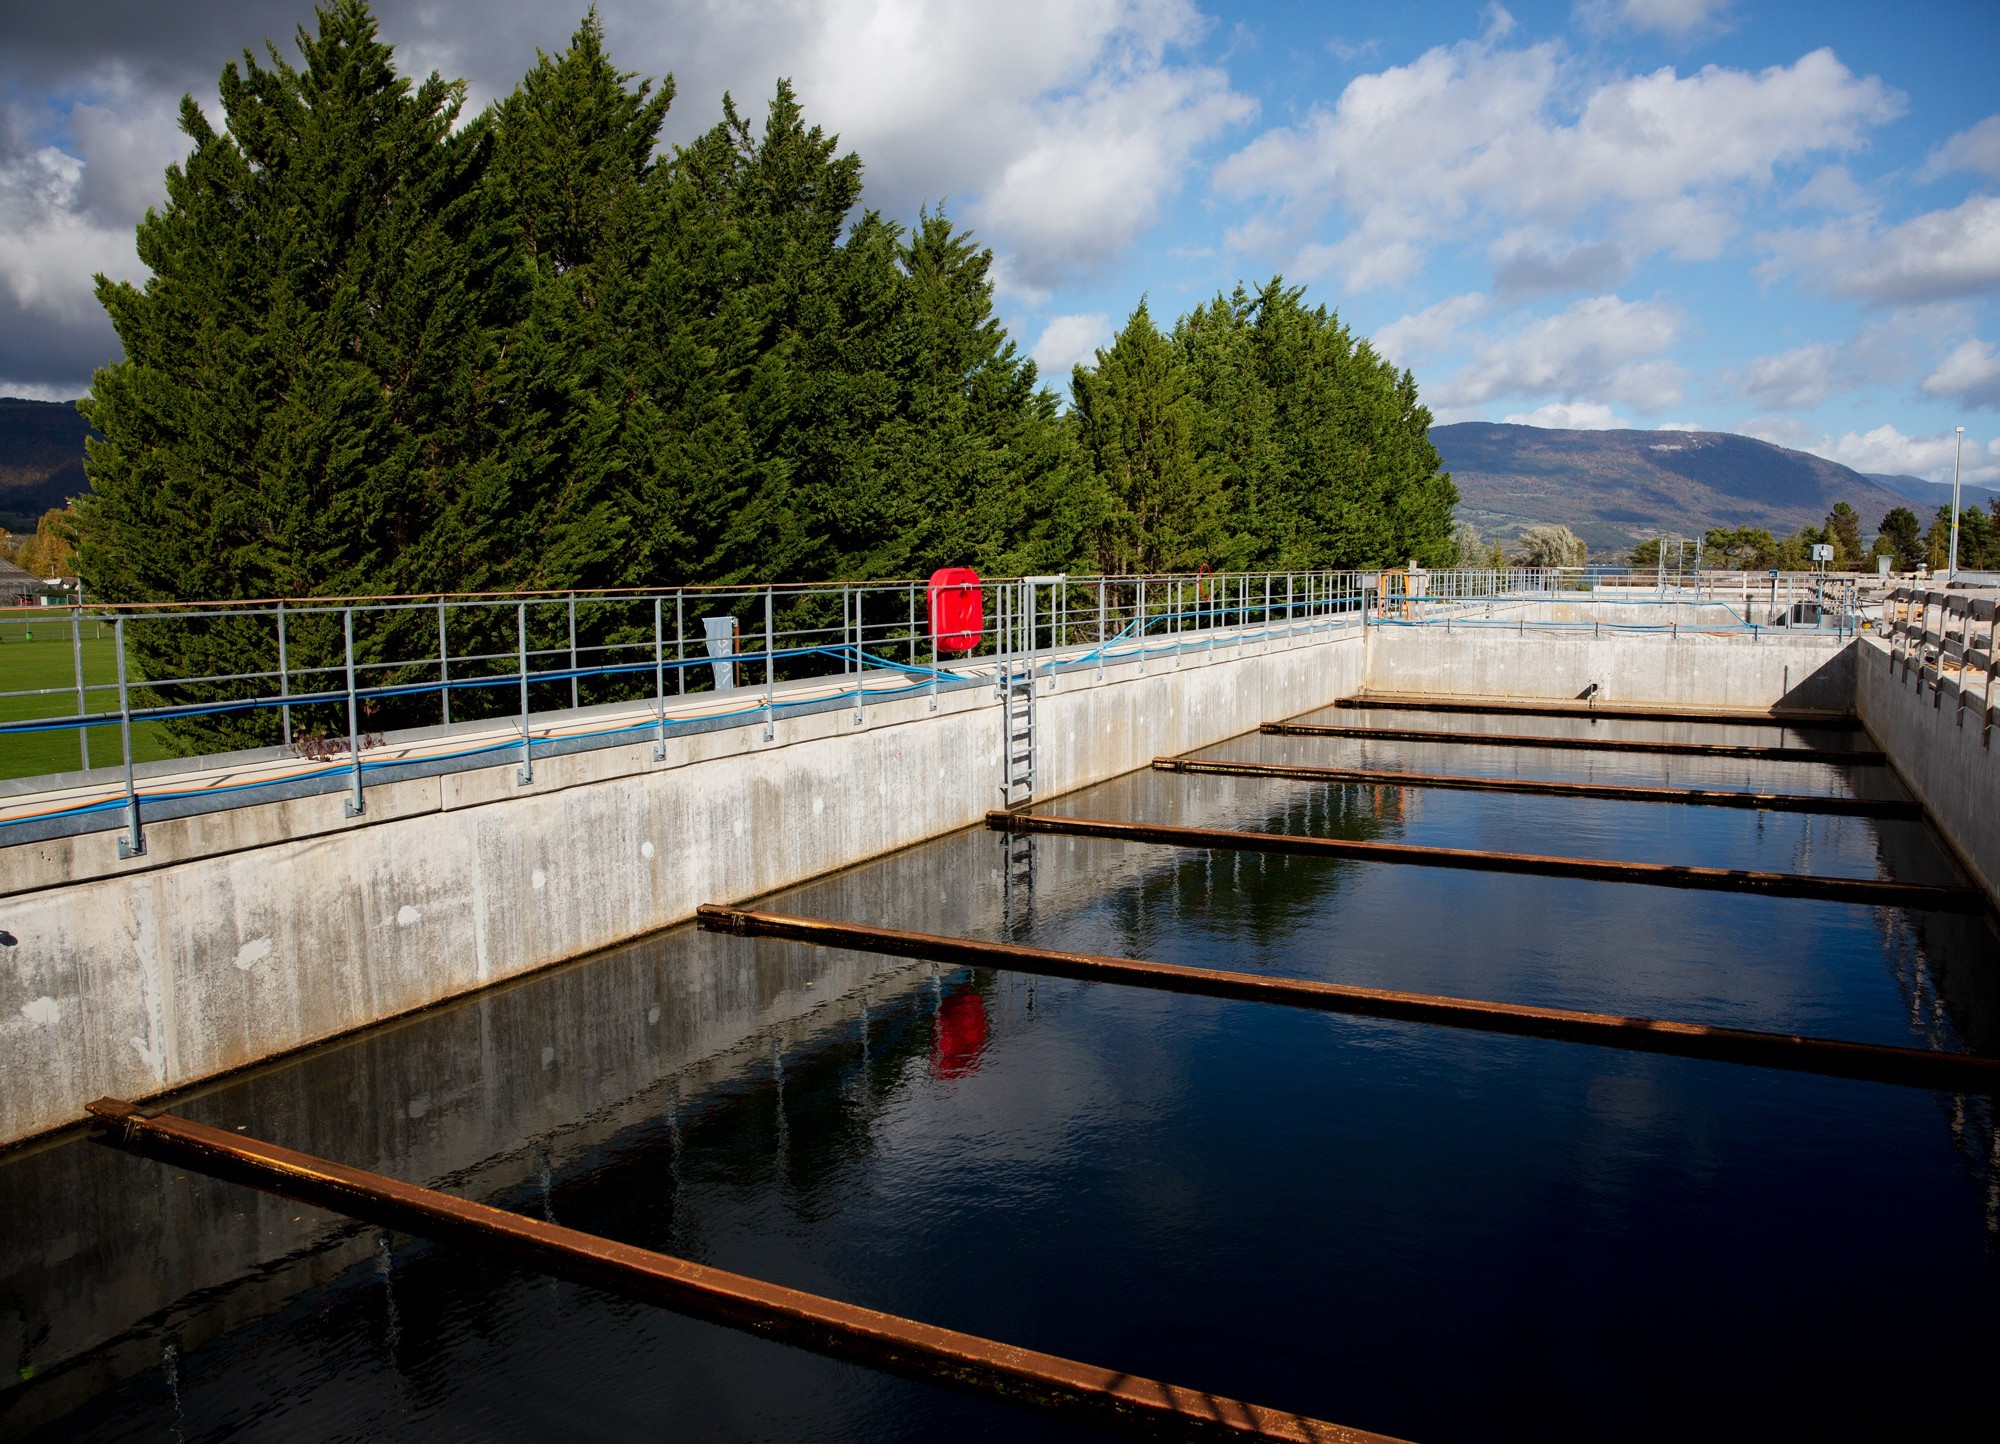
[(958, 609)]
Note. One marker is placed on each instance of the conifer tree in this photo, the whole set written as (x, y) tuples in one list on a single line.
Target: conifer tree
[(1140, 430), (302, 400)]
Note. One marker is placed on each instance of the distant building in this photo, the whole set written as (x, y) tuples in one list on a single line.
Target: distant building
[(18, 588), (21, 588)]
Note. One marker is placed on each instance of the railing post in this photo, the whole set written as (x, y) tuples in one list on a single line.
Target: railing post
[(1141, 609), (354, 803), (444, 666), (526, 774), (284, 675), (1103, 628), (133, 843), (82, 702), (770, 653), (659, 681), (574, 701), (680, 644), (857, 653)]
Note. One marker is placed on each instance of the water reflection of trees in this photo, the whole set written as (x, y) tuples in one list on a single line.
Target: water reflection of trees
[(1259, 897)]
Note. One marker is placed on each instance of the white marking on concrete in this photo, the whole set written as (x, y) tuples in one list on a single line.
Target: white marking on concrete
[(819, 806), (253, 953), (42, 1010), (739, 827), (548, 1056), (154, 1058), (407, 915), (653, 1013), (646, 849), (539, 878)]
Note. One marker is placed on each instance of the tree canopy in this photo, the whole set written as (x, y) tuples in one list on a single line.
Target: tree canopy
[(387, 348)]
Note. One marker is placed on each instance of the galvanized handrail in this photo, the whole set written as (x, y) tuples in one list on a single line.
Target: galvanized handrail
[(330, 673)]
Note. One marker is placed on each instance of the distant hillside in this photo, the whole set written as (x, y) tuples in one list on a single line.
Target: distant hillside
[(41, 459), (1616, 487), (1925, 496)]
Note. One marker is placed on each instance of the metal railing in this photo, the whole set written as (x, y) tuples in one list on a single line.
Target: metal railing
[(1948, 640), (325, 682), (314, 686)]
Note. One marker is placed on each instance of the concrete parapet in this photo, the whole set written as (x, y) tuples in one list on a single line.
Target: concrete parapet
[(1807, 671), (1940, 750)]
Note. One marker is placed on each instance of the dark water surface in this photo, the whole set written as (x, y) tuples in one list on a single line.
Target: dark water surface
[(1436, 1234)]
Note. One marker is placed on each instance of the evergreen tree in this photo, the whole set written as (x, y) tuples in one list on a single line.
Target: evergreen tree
[(1899, 529), (1156, 505), (303, 402), (1322, 447), (1843, 530)]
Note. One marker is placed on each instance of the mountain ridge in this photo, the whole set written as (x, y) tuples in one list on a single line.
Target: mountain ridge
[(41, 459), (1615, 488)]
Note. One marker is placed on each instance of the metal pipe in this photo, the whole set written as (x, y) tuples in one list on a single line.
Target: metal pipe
[(1872, 891), (133, 843), (527, 770), (967, 1363), (1605, 791), (76, 662), (1854, 757), (573, 698), (354, 803), (1873, 1062), (770, 662), (680, 644), (444, 666), (659, 680), (284, 676)]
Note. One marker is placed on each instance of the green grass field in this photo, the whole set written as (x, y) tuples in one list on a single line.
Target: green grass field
[(36, 652)]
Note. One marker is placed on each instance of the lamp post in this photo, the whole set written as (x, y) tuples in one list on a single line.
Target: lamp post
[(1951, 568)]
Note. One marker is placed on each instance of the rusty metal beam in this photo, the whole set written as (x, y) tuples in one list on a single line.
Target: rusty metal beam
[(1840, 756), (1108, 1398), (1605, 791), (1872, 891), (1913, 1067), (1825, 721)]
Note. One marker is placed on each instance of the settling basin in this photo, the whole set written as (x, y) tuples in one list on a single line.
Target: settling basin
[(1436, 1234)]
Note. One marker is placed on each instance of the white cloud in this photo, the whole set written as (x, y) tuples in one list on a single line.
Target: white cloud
[(1975, 149), (1068, 341), (1572, 416), (1794, 380), (1886, 450), (1477, 134), (1931, 257), (1970, 376), (1062, 126), (53, 240), (1426, 333), (1601, 350), (1059, 128), (1675, 19)]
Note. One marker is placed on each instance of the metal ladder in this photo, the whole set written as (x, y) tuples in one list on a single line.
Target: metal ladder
[(1017, 697)]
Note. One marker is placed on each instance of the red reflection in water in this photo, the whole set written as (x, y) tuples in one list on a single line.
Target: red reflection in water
[(960, 1036)]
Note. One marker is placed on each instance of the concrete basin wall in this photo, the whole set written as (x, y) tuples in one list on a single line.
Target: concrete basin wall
[(244, 934), (1938, 750), (1804, 670)]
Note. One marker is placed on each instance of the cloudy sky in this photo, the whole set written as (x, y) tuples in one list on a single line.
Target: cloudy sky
[(1775, 218)]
